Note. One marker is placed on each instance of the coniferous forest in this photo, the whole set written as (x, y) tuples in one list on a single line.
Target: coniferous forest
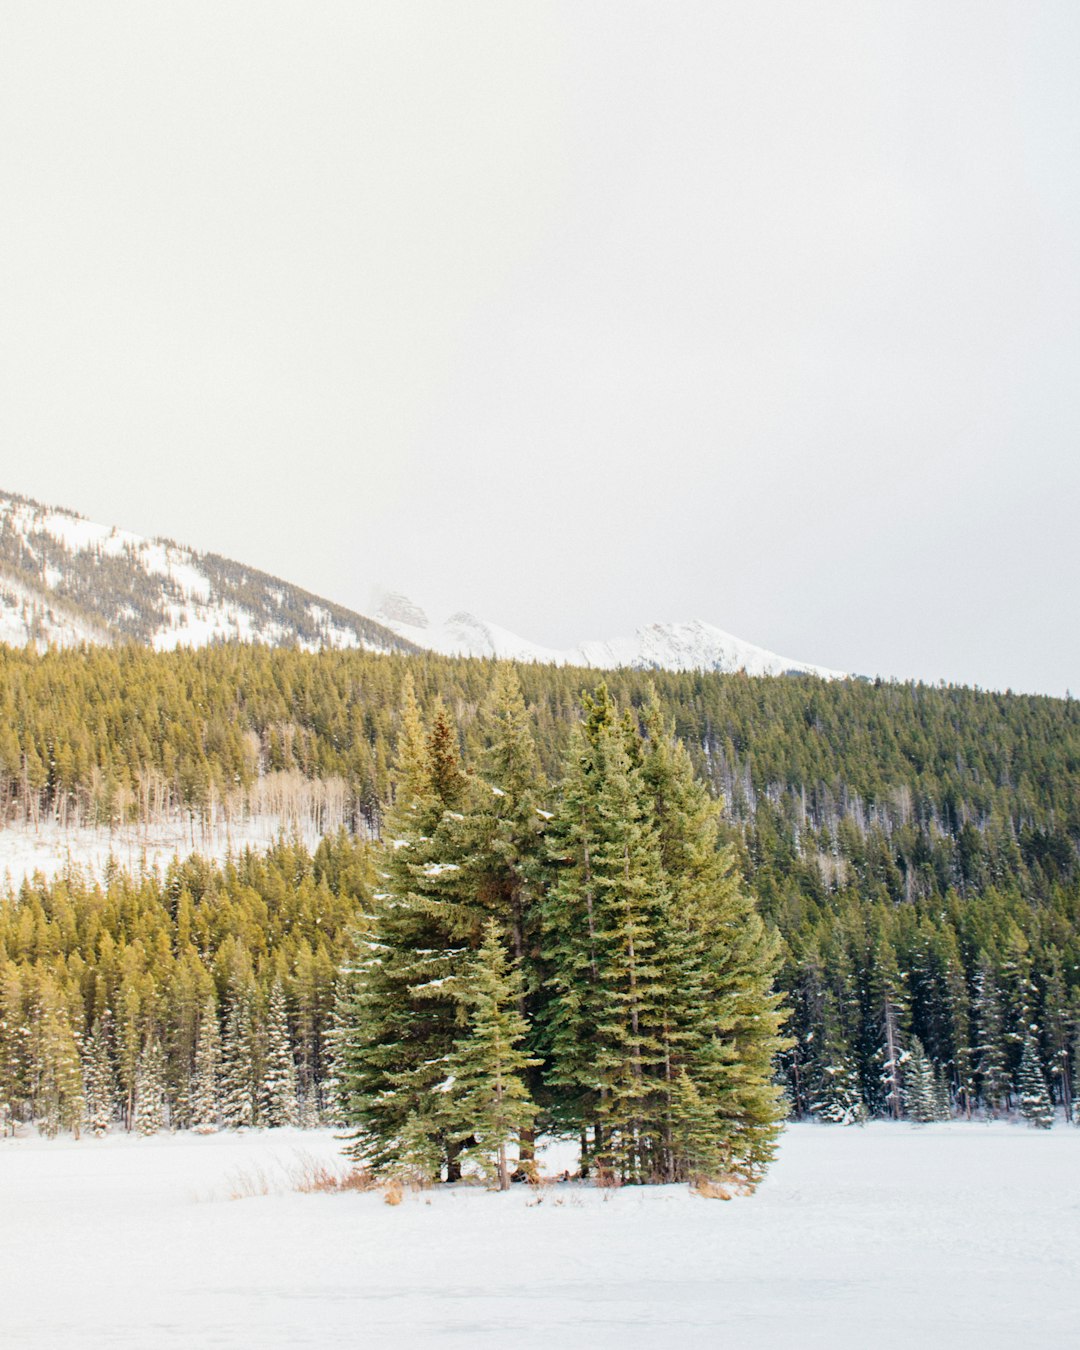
[(539, 904)]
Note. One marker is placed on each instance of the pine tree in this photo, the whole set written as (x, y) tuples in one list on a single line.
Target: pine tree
[(14, 1043), (278, 1104), (604, 918), (1018, 994), (56, 1080), (942, 1096), (1056, 1022), (398, 1011), (891, 1006), (486, 1102), (721, 1019), (805, 991), (920, 1091), (150, 1089), (990, 1049), (1075, 1021), (1035, 1104), (661, 1027), (99, 1081), (502, 854), (205, 1087), (836, 1096), (239, 1079), (959, 1024)]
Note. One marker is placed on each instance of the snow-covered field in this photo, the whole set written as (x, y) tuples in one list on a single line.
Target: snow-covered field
[(49, 849), (949, 1235)]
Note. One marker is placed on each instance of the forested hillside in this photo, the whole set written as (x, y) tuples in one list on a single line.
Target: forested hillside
[(915, 846)]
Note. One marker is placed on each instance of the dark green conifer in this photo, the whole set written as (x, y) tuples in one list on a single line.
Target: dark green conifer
[(150, 1089), (991, 1049), (205, 1087), (1035, 1105), (399, 1013), (278, 1104), (486, 1102), (836, 1095), (920, 1095), (99, 1081)]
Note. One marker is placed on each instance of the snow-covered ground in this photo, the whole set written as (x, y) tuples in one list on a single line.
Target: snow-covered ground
[(888, 1236), (49, 849)]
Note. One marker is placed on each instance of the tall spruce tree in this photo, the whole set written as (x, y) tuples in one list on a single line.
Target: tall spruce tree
[(205, 1086), (991, 1050), (1075, 1022), (1035, 1105), (920, 1088), (1056, 1022), (661, 1026), (278, 1105), (890, 1004), (959, 1022), (722, 1019), (399, 1013), (150, 1089), (55, 1070), (502, 855), (605, 917), (836, 1096), (486, 1104), (99, 1081), (239, 1068)]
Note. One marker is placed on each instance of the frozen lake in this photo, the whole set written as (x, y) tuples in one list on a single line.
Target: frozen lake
[(891, 1235)]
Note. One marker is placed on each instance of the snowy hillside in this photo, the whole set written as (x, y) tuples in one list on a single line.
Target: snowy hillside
[(691, 645), (66, 580)]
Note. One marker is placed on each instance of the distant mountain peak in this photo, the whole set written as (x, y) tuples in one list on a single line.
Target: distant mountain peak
[(66, 580), (397, 608), (691, 644)]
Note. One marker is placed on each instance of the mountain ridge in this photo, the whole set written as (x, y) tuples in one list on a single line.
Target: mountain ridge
[(686, 645), (66, 580)]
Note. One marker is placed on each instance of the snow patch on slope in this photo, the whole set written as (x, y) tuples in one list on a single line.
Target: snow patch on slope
[(27, 616), (51, 849)]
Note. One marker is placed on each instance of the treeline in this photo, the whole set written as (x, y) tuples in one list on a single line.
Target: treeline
[(901, 791), (979, 992), (203, 997), (915, 847)]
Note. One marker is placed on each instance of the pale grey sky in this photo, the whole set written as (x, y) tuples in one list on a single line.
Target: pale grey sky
[(576, 315)]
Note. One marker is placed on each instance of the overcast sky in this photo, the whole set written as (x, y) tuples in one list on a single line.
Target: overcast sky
[(578, 316)]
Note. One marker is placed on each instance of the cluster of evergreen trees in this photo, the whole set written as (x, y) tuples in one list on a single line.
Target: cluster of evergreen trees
[(203, 998), (596, 963)]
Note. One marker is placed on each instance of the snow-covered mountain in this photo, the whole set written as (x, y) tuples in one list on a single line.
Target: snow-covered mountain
[(690, 645), (66, 580)]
